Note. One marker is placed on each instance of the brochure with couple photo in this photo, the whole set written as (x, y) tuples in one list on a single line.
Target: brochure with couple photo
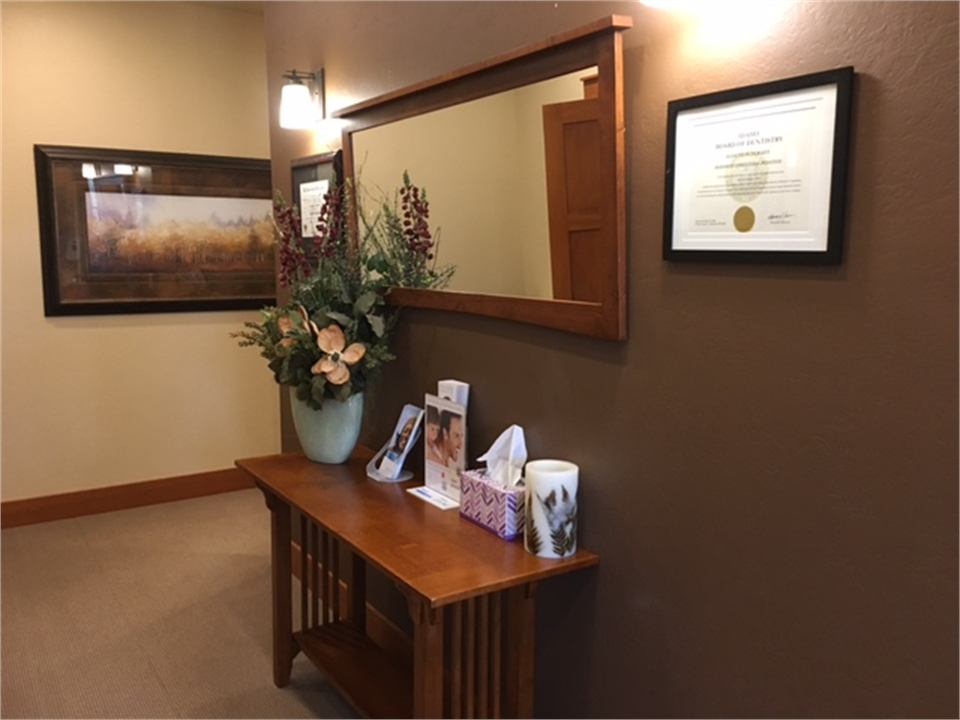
[(445, 445), (387, 465)]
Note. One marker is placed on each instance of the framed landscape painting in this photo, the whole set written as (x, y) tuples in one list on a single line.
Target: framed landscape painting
[(137, 232)]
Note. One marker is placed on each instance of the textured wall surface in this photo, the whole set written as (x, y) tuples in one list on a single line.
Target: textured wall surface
[(769, 462), (91, 402)]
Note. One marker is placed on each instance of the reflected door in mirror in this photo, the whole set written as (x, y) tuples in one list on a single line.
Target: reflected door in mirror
[(572, 137)]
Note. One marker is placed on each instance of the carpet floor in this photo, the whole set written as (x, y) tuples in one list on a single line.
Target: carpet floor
[(155, 612)]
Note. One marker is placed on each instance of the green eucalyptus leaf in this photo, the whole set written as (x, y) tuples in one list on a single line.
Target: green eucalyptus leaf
[(317, 388), (376, 324), (341, 319), (343, 392), (365, 303), (303, 391), (286, 374)]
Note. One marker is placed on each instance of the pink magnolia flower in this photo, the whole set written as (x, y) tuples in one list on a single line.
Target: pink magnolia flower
[(337, 356), (286, 326)]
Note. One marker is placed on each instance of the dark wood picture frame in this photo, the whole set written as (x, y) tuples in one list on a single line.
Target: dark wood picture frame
[(125, 231), (313, 169), (743, 235)]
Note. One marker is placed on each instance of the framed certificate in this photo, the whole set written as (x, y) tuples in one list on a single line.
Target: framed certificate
[(312, 177), (759, 173)]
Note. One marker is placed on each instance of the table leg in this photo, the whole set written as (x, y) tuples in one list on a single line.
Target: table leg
[(427, 659), (357, 602), (518, 650), (284, 646)]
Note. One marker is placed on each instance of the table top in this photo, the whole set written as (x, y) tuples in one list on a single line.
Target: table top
[(437, 554)]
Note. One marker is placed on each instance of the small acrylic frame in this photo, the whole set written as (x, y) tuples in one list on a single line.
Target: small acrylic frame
[(445, 445), (387, 464)]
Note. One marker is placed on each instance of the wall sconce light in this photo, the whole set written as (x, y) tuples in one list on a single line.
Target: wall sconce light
[(302, 100)]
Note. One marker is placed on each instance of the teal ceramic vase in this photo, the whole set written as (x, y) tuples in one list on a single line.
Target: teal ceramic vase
[(328, 435)]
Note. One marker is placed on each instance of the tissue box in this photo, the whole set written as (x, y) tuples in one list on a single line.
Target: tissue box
[(497, 509)]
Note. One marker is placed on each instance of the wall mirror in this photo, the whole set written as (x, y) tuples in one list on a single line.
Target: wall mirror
[(523, 162)]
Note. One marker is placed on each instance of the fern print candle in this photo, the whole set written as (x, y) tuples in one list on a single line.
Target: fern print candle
[(550, 530)]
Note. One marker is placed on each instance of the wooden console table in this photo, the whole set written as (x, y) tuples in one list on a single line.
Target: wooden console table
[(471, 595)]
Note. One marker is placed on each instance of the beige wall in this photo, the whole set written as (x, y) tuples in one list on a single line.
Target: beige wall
[(471, 236), (96, 401), (769, 463)]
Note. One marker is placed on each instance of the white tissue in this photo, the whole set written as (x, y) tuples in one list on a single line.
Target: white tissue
[(506, 457)]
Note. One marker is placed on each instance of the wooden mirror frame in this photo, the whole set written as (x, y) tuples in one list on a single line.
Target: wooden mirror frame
[(597, 44)]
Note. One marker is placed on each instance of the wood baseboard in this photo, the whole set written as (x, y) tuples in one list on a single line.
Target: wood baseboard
[(14, 513), (379, 629)]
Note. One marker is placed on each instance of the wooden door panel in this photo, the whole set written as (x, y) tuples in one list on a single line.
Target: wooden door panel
[(585, 261), (572, 149)]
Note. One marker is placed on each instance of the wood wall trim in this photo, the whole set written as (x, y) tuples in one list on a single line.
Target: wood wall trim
[(381, 630), (14, 513), (614, 22)]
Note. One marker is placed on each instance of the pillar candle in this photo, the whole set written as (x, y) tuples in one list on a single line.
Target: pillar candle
[(550, 528)]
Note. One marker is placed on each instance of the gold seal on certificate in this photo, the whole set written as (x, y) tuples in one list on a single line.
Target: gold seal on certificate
[(744, 219)]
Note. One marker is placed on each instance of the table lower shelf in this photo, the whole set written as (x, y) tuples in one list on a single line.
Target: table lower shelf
[(368, 677)]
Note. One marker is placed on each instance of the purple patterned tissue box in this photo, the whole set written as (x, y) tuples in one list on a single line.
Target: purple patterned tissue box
[(497, 509)]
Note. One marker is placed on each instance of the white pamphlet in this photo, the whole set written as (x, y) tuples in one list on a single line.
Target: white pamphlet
[(433, 497)]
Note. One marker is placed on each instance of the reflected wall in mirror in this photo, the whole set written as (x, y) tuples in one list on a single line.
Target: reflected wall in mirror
[(522, 160), (492, 218)]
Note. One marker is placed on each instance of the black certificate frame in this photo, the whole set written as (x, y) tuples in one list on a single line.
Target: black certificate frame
[(834, 192)]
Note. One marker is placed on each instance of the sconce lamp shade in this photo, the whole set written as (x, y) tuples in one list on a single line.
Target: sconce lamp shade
[(300, 105)]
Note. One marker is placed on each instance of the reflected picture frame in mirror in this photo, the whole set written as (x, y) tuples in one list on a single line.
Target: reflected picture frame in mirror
[(589, 268)]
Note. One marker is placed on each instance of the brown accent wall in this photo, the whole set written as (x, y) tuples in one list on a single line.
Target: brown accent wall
[(770, 461)]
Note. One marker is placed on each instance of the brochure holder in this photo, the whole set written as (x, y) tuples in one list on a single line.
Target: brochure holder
[(387, 464), (374, 473)]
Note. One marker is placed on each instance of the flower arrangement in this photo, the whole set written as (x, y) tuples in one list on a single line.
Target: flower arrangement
[(332, 336)]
